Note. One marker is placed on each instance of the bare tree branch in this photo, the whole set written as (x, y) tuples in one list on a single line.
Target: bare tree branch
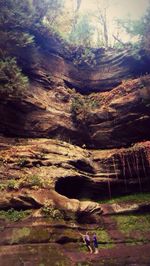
[(118, 40), (78, 5), (102, 17)]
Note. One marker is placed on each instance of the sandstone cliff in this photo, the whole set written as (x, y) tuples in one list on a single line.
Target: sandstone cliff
[(104, 120), (80, 132)]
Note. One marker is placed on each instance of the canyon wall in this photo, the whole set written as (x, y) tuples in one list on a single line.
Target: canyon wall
[(81, 131)]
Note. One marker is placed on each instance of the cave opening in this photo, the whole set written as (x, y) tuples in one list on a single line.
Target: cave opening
[(76, 187), (83, 188)]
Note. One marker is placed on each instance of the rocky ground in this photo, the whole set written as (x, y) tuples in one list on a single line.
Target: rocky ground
[(42, 241), (51, 190)]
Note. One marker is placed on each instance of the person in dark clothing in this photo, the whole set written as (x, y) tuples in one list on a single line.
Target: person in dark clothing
[(86, 239), (95, 244)]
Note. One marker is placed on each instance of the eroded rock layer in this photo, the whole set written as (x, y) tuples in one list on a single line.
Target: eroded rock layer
[(33, 172), (80, 131), (110, 66), (103, 120)]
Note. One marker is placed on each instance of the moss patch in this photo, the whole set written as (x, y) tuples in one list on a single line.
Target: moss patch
[(18, 235), (13, 215), (104, 239), (135, 198), (130, 223), (134, 227)]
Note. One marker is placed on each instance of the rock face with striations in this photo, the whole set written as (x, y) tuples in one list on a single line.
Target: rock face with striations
[(79, 132), (109, 69), (102, 120), (65, 174)]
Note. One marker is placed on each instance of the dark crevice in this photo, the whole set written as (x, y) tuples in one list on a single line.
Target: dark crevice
[(64, 240), (73, 187), (83, 166)]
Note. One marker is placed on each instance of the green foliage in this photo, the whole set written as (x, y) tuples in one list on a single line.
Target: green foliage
[(139, 28), (14, 215), (2, 187), (18, 14), (12, 81), (34, 180), (51, 211), (11, 41), (83, 106), (16, 17), (13, 184), (20, 18), (84, 57), (31, 24), (54, 12), (79, 103), (82, 32), (133, 27), (19, 234), (132, 223), (26, 181), (20, 22), (104, 238), (135, 198)]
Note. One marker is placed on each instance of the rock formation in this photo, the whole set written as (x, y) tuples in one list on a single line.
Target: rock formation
[(36, 171), (104, 120), (58, 59), (79, 132)]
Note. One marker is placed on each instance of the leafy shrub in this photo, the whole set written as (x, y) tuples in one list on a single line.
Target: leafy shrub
[(77, 103), (13, 184), (85, 57), (12, 81), (2, 187), (14, 215), (80, 104), (34, 180), (50, 211), (81, 108)]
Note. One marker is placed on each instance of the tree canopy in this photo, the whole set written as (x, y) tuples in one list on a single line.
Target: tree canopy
[(21, 21)]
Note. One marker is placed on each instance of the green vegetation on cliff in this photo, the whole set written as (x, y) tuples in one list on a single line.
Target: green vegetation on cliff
[(12, 81), (14, 215), (28, 26)]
